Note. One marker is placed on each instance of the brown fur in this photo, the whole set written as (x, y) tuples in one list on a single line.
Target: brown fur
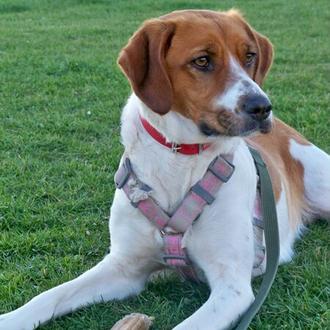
[(284, 170), (168, 53)]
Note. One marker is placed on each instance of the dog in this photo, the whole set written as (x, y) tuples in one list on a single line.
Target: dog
[(196, 78)]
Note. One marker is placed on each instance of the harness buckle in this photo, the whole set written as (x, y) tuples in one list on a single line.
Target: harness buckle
[(123, 173), (142, 187), (224, 170), (203, 193)]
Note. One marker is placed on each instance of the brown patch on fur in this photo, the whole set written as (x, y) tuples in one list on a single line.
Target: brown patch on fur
[(158, 62), (265, 49), (284, 170), (143, 62)]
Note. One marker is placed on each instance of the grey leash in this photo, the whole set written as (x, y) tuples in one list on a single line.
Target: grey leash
[(271, 239)]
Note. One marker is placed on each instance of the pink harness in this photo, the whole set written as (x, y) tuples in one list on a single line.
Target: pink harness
[(201, 194), (172, 227)]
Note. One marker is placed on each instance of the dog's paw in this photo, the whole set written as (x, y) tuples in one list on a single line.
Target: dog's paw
[(135, 321)]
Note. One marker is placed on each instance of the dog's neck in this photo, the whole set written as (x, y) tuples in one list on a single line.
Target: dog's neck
[(173, 126), (169, 174)]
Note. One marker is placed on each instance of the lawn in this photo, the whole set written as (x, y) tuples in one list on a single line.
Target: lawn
[(61, 95)]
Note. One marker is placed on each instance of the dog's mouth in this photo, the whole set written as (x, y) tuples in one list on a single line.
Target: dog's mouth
[(207, 129), (238, 127)]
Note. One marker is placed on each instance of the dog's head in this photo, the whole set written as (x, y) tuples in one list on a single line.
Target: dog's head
[(206, 65)]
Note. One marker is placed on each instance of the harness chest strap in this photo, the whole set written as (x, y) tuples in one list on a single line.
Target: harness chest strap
[(201, 194)]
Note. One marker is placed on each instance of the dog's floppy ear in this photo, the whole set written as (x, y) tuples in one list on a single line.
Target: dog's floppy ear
[(265, 48), (265, 57), (143, 62)]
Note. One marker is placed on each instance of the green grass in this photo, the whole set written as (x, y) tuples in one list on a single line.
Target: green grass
[(61, 95)]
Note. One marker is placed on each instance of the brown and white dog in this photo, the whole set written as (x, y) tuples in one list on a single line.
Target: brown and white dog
[(196, 78)]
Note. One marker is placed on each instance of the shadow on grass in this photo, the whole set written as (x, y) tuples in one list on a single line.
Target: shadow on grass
[(8, 8)]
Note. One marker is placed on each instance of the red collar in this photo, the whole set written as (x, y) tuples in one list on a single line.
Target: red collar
[(186, 149)]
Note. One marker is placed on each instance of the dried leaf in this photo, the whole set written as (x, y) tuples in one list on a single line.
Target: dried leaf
[(134, 321)]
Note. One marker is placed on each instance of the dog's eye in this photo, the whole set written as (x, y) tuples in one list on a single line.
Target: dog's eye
[(202, 63), (250, 57)]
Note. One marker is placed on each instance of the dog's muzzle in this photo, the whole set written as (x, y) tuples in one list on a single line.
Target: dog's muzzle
[(257, 106)]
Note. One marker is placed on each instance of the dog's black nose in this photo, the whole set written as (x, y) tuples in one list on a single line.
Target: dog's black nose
[(257, 106)]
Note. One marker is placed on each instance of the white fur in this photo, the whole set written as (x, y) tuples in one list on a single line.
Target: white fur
[(220, 243), (229, 99), (238, 85), (316, 165), (287, 235), (173, 126)]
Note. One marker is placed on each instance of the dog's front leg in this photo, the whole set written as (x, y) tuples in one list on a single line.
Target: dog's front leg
[(134, 248), (112, 278), (230, 297), (221, 244)]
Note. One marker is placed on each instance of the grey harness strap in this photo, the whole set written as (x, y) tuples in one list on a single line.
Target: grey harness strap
[(271, 238)]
